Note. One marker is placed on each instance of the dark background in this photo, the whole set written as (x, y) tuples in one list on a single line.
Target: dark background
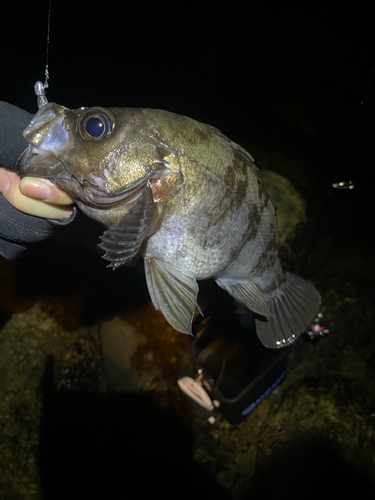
[(297, 78), (241, 68)]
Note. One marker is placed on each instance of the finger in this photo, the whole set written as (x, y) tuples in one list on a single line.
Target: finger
[(4, 181), (32, 206), (43, 189)]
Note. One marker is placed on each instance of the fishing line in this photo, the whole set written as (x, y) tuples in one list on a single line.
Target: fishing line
[(39, 87)]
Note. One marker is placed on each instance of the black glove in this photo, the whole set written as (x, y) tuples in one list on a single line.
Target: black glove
[(16, 228)]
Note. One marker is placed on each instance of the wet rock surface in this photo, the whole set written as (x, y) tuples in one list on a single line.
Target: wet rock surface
[(89, 404)]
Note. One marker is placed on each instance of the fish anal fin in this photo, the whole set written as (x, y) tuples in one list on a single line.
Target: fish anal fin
[(173, 292), (248, 293)]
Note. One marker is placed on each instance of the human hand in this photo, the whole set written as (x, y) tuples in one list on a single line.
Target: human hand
[(35, 196)]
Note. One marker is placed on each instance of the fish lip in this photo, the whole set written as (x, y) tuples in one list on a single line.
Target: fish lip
[(93, 197)]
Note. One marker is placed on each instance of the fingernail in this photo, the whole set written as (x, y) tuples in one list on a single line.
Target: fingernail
[(4, 181), (36, 190)]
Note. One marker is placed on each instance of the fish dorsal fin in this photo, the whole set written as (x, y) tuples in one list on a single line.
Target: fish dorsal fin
[(248, 293), (173, 292), (122, 241)]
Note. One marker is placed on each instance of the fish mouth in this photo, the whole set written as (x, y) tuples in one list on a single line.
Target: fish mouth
[(92, 195), (33, 164), (93, 192)]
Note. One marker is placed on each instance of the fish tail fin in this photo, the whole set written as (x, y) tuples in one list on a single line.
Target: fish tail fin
[(292, 307)]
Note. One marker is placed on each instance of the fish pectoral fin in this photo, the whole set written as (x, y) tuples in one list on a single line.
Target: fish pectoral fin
[(248, 293), (122, 241), (173, 292)]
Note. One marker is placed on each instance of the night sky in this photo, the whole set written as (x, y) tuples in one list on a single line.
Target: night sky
[(292, 77)]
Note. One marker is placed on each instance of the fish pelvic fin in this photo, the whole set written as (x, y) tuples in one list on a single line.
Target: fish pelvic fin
[(122, 241), (248, 293), (293, 306), (173, 292)]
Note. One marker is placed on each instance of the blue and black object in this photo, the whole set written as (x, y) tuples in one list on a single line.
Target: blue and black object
[(234, 367)]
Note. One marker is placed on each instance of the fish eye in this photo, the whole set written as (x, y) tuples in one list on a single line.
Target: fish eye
[(95, 127), (95, 124)]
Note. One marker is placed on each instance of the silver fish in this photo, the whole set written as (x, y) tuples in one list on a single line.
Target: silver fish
[(185, 197)]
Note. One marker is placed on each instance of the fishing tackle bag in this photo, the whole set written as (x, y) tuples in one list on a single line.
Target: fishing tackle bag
[(235, 372)]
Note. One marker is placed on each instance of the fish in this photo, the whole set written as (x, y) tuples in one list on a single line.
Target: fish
[(183, 196)]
